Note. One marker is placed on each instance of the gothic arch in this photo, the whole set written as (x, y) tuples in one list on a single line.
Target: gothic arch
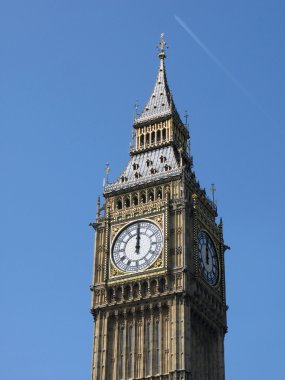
[(153, 287), (147, 139), (151, 195), (153, 137), (143, 197), (119, 204), (144, 289), (127, 201), (158, 135), (159, 192), (135, 199)]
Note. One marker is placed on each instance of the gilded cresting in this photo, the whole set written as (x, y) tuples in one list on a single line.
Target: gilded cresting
[(167, 320)]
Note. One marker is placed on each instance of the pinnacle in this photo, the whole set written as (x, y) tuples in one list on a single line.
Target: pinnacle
[(160, 102)]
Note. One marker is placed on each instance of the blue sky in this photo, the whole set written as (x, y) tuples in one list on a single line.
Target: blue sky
[(70, 72)]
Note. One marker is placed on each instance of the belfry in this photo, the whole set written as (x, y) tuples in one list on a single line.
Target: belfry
[(158, 289)]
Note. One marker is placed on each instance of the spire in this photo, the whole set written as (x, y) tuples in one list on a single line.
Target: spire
[(160, 103)]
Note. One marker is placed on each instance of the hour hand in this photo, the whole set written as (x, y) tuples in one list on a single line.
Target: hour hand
[(138, 239)]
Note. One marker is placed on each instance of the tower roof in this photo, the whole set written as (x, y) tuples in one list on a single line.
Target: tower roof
[(160, 103), (147, 167)]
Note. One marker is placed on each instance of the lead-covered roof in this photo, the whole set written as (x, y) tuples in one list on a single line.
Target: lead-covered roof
[(146, 167)]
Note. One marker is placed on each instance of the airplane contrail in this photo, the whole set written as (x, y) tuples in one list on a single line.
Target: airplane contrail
[(223, 68)]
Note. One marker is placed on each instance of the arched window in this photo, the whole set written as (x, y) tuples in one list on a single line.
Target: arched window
[(163, 134), (135, 200), (153, 287), (144, 289), (143, 198), (158, 136), (127, 292), (159, 193), (162, 285), (153, 137), (119, 294), (135, 291), (147, 139), (142, 140), (119, 204), (124, 179), (127, 202), (150, 195)]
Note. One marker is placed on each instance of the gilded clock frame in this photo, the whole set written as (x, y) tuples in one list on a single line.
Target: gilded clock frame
[(159, 265)]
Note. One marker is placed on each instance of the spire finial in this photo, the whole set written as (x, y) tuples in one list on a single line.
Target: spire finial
[(186, 116), (136, 107), (213, 190), (107, 171), (162, 46)]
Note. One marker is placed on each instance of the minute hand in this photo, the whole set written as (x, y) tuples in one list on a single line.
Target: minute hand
[(138, 239)]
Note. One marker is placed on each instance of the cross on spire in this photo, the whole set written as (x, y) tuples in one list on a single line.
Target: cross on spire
[(162, 46)]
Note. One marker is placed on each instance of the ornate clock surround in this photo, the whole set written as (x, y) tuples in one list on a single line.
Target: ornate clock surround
[(159, 266)]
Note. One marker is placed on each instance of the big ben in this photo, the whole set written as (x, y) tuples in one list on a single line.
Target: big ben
[(158, 289)]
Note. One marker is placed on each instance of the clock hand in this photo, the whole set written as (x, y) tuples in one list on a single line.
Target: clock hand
[(138, 239), (207, 253)]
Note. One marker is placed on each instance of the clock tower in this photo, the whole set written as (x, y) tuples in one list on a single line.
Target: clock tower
[(158, 289)]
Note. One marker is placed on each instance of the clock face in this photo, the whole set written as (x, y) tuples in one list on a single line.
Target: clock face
[(208, 258), (137, 246)]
